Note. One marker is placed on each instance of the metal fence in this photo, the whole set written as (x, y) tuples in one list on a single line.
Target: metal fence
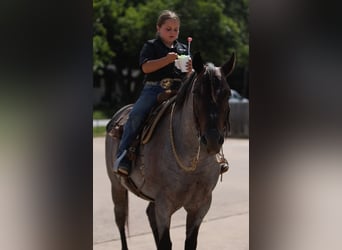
[(239, 119)]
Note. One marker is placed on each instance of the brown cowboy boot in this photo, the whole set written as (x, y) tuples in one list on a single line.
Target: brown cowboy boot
[(122, 165)]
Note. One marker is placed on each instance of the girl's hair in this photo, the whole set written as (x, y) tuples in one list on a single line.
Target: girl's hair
[(166, 15)]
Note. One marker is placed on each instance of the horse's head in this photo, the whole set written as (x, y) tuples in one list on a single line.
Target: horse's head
[(210, 98)]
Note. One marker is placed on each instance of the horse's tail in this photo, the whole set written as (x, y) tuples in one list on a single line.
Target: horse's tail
[(127, 213), (119, 192), (120, 199)]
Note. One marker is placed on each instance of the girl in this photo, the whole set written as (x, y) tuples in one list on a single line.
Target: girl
[(157, 62)]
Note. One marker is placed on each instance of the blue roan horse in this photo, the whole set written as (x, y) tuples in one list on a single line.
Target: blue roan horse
[(178, 166)]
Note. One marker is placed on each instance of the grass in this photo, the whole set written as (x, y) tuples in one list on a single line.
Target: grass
[(99, 131), (98, 114), (103, 112)]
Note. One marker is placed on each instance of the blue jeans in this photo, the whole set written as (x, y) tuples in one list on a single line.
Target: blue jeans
[(140, 111)]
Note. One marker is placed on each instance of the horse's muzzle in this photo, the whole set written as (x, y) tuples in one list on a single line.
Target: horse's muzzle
[(213, 141)]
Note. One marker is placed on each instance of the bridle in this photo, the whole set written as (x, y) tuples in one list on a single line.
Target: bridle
[(214, 100), (195, 159)]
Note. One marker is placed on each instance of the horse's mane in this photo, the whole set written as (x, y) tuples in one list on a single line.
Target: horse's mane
[(211, 70), (184, 90), (186, 86)]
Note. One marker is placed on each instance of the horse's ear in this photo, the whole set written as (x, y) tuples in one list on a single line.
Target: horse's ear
[(197, 63), (229, 66)]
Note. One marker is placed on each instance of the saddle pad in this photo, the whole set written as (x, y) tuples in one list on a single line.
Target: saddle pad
[(153, 120), (115, 125)]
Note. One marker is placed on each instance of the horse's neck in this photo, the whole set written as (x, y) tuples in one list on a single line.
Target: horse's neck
[(185, 125)]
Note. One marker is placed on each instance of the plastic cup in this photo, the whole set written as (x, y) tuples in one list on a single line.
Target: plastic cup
[(181, 62)]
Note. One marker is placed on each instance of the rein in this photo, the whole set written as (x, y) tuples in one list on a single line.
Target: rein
[(193, 164), (195, 160)]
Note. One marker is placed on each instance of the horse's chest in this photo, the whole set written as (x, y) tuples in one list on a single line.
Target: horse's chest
[(194, 189)]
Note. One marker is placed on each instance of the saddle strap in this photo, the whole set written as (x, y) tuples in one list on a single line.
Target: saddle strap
[(148, 131), (129, 184)]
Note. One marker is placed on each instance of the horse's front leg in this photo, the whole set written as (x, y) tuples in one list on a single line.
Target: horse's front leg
[(163, 210), (194, 218), (152, 219)]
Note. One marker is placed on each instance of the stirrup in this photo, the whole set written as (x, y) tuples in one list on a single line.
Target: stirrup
[(224, 168), (222, 161), (224, 165), (118, 160)]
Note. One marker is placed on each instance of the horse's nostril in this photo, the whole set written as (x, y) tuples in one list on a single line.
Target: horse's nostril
[(221, 140), (204, 140)]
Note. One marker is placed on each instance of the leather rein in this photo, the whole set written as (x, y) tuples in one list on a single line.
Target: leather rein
[(195, 159)]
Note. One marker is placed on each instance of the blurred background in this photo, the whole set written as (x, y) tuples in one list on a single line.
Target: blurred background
[(120, 28), (47, 97)]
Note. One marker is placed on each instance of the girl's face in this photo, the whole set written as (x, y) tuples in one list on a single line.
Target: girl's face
[(169, 31)]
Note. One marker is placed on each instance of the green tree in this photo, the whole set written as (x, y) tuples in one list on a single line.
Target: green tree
[(121, 27), (102, 53)]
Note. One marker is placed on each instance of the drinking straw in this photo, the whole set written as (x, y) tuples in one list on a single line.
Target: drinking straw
[(189, 42)]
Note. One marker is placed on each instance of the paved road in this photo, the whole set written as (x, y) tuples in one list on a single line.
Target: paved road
[(226, 226)]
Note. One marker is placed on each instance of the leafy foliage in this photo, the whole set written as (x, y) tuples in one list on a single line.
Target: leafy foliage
[(121, 27)]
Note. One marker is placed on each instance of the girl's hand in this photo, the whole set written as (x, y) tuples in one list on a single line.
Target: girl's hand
[(171, 57), (154, 65), (189, 65)]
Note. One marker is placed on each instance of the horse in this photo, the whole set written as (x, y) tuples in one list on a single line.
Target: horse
[(178, 167)]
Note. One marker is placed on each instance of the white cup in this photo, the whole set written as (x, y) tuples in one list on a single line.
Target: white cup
[(181, 62)]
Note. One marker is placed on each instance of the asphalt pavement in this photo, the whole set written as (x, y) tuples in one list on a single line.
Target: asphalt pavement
[(226, 225)]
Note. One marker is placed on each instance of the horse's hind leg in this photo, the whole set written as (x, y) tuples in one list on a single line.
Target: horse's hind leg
[(151, 214), (120, 199)]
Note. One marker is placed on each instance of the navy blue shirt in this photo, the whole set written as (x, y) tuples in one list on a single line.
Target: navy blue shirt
[(156, 49)]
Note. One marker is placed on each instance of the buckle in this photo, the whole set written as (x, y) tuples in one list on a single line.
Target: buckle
[(166, 83)]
